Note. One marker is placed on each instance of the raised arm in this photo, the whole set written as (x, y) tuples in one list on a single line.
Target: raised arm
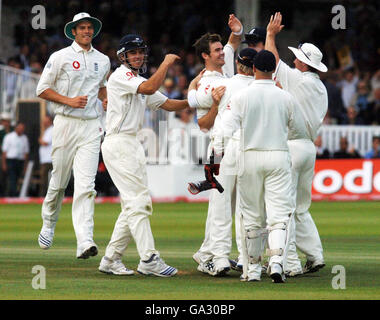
[(273, 28), (154, 82), (236, 31)]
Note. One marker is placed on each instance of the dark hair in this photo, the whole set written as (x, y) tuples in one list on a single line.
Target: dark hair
[(375, 138), (202, 45)]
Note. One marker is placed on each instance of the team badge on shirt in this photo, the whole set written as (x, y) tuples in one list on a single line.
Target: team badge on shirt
[(96, 66)]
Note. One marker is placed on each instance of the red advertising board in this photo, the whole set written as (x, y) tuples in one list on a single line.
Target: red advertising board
[(346, 180)]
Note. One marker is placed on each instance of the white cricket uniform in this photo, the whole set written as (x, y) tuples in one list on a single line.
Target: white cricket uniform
[(125, 160), (264, 113), (203, 104), (311, 95), (222, 206), (74, 72)]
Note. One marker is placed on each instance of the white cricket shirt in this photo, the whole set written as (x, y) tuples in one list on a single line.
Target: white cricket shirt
[(126, 107), (15, 146), (263, 112), (74, 72), (309, 91), (233, 86)]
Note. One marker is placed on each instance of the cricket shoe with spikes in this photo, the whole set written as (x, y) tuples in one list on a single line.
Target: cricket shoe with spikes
[(45, 238), (208, 268), (156, 266), (115, 267), (276, 273), (313, 266)]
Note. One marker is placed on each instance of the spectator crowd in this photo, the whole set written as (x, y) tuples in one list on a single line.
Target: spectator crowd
[(353, 83)]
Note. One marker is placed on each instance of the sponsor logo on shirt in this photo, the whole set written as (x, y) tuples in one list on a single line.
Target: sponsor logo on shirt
[(76, 65), (206, 89)]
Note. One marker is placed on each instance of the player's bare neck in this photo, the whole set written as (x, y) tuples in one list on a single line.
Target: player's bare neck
[(210, 67)]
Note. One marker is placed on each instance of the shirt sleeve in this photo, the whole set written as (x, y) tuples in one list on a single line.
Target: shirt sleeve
[(49, 74), (228, 67), (155, 100), (127, 82), (103, 83), (204, 98), (287, 76)]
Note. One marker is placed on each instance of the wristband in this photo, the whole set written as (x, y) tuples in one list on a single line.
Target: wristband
[(239, 33)]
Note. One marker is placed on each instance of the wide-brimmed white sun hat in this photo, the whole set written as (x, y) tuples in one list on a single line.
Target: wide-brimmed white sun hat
[(78, 18), (311, 55)]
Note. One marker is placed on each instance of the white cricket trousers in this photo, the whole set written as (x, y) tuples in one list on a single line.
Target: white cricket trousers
[(265, 189), (125, 160), (76, 145), (303, 233), (222, 206)]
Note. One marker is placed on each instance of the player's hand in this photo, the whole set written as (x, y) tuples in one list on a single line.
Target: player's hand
[(274, 25), (78, 102), (218, 93), (194, 84), (234, 23), (104, 104), (170, 59)]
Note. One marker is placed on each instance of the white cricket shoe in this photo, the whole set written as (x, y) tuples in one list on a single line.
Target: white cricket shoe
[(157, 267), (115, 267), (208, 268), (276, 273), (45, 238)]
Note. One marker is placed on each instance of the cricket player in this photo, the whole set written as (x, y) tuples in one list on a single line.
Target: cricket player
[(73, 79), (128, 96), (255, 38), (224, 204), (304, 84), (263, 112), (219, 64)]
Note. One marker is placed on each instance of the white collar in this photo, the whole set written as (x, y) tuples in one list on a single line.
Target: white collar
[(78, 48)]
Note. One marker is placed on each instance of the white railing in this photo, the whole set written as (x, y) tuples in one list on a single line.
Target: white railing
[(15, 84), (359, 137)]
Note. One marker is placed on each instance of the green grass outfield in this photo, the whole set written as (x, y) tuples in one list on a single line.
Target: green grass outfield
[(350, 233)]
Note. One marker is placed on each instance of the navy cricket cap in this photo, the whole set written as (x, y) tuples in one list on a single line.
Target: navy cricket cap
[(246, 56), (265, 61), (256, 35)]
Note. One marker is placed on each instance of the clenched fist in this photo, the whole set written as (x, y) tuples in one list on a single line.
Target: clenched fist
[(171, 58), (78, 102)]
